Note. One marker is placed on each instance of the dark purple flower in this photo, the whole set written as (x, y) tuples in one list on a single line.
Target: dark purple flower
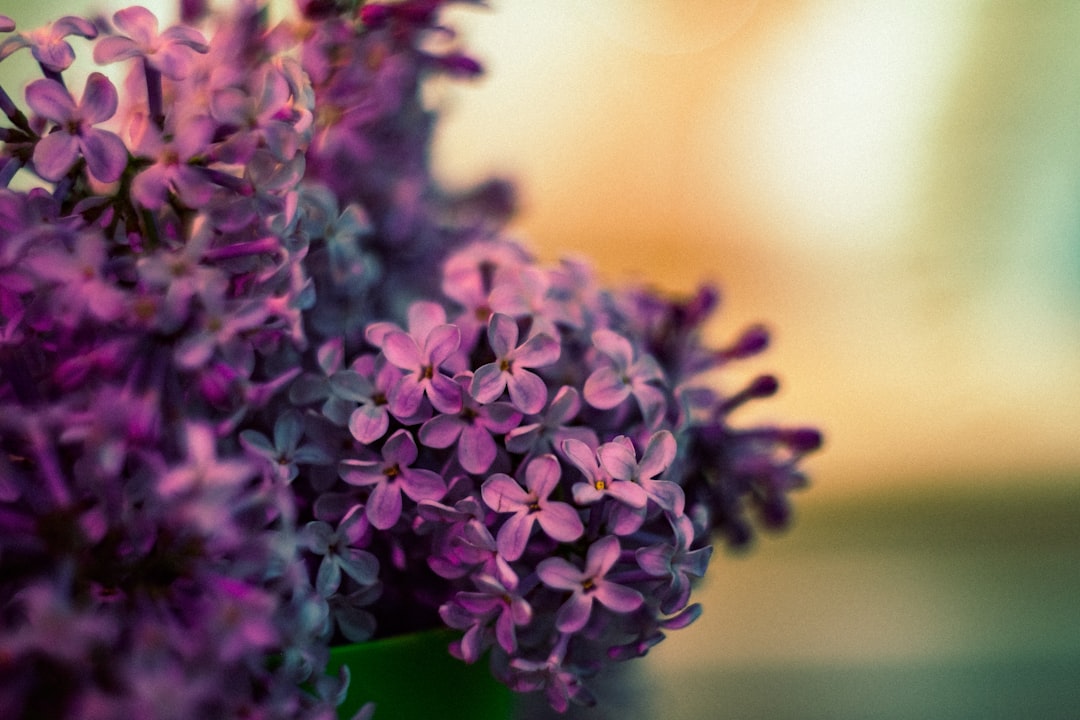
[(677, 562), (340, 554), (497, 602), (75, 134), (531, 505), (588, 585), (472, 429), (553, 427), (391, 476)]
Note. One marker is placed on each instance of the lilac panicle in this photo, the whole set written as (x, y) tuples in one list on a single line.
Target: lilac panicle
[(266, 386)]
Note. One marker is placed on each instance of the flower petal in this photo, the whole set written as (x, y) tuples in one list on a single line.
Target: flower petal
[(106, 155), (55, 154)]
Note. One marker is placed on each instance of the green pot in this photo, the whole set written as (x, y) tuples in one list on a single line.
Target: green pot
[(415, 677)]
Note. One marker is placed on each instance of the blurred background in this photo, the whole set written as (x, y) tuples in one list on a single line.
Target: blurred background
[(894, 188)]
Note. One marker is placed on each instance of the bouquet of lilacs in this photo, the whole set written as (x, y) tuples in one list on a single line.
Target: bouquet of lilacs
[(266, 388)]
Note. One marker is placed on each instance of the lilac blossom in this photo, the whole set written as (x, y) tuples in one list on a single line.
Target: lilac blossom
[(173, 170), (553, 427), (495, 608), (75, 135), (392, 476), (168, 52), (421, 353), (627, 509), (471, 430), (284, 454), (675, 562), (618, 457), (623, 373), (47, 43), (530, 506), (340, 553), (588, 585), (509, 371)]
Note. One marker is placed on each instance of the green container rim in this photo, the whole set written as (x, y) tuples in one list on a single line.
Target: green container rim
[(414, 676)]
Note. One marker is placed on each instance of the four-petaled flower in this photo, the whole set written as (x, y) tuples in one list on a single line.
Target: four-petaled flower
[(391, 476), (47, 44), (618, 458), (558, 520), (75, 134), (623, 375), (340, 553), (421, 353), (528, 392), (628, 513), (588, 585), (169, 52), (471, 429), (675, 562)]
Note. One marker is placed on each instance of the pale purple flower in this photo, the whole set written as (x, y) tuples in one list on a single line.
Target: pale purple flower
[(625, 373), (168, 52), (172, 170), (472, 429), (531, 505), (630, 499), (47, 44), (392, 476), (202, 471), (509, 371), (421, 353), (588, 585), (75, 134), (524, 294), (619, 459)]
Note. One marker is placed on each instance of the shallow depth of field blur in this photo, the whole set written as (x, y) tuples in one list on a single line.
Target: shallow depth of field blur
[(894, 188)]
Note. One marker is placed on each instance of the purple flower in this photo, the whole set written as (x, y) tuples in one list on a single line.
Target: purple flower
[(285, 451), (471, 429), (172, 170), (588, 585), (628, 511), (169, 52), (81, 287), (495, 599), (553, 428), (75, 134), (618, 458), (371, 419), (677, 562), (527, 390), (47, 43), (391, 476), (558, 520), (421, 353), (340, 553), (623, 375)]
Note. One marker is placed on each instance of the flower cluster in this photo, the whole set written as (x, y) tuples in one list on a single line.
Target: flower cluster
[(264, 387)]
